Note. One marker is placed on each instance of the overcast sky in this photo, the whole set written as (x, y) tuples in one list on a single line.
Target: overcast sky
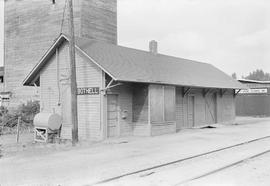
[(1, 31), (233, 35)]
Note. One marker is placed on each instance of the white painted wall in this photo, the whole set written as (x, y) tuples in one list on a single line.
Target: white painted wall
[(89, 106)]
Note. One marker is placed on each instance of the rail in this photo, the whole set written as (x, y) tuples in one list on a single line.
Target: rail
[(185, 159), (223, 168)]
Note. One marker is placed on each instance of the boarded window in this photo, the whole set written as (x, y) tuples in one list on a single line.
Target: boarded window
[(169, 103), (157, 103), (140, 103)]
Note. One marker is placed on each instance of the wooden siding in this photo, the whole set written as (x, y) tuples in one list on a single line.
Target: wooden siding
[(191, 111), (89, 110), (133, 103), (125, 95), (169, 103), (226, 107), (201, 108), (141, 129), (49, 92), (140, 101), (179, 112), (112, 115), (185, 113), (156, 103), (208, 110), (31, 27), (253, 104), (51, 95), (163, 128), (89, 106)]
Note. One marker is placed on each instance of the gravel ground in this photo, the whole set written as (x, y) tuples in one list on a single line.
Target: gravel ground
[(250, 173), (62, 164)]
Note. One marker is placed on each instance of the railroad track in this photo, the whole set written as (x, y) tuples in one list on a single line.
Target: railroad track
[(191, 158), (222, 168)]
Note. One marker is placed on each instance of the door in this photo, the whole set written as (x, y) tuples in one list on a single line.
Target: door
[(180, 105), (190, 113), (211, 109), (112, 115), (214, 101)]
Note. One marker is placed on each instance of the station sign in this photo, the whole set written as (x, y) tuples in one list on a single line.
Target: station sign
[(254, 91), (88, 91)]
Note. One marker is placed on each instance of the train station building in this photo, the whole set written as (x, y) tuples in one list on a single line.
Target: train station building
[(123, 91)]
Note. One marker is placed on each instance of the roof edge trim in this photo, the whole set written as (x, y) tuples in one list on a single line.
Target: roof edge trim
[(178, 85), (254, 81), (29, 79), (26, 79)]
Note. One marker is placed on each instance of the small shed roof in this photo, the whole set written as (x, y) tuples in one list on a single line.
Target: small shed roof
[(132, 65), (253, 81)]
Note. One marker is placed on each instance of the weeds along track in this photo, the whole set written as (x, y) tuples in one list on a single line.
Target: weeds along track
[(191, 158)]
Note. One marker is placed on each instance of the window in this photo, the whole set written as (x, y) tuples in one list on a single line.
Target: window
[(169, 103), (157, 103)]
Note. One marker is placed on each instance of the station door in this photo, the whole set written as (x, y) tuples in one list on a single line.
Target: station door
[(191, 112), (112, 115), (211, 109)]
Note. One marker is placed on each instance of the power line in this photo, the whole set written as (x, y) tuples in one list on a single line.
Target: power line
[(63, 16)]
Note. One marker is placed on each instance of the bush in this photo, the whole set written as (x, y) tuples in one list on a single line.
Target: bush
[(28, 111), (25, 111)]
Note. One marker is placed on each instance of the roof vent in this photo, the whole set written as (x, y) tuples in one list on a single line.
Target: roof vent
[(153, 47)]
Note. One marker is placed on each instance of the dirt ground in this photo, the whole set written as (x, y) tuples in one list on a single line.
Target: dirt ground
[(87, 163), (183, 173), (254, 172), (9, 147)]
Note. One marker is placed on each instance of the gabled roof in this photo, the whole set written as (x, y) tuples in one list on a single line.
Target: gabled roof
[(131, 65)]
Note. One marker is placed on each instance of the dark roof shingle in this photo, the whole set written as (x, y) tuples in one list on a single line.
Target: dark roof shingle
[(132, 65), (126, 64)]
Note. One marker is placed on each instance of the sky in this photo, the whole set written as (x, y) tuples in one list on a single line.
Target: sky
[(232, 35), (1, 32)]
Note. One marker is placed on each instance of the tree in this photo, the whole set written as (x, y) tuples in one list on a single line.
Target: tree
[(234, 76), (258, 75)]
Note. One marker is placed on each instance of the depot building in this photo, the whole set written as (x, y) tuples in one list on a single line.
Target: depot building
[(124, 92)]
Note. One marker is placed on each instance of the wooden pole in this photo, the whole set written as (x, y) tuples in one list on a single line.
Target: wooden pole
[(18, 129), (73, 85)]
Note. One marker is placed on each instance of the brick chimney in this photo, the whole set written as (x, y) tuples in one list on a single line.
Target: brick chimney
[(153, 47)]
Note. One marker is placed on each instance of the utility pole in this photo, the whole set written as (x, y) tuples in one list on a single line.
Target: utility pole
[(73, 85)]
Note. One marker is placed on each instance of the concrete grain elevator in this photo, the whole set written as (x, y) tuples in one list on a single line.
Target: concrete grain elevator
[(32, 25)]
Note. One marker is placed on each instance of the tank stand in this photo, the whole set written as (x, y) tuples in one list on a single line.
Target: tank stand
[(41, 134)]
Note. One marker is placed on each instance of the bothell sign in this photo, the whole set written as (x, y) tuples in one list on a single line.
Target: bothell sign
[(88, 91)]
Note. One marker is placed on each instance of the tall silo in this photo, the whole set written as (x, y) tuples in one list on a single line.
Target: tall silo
[(32, 25)]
